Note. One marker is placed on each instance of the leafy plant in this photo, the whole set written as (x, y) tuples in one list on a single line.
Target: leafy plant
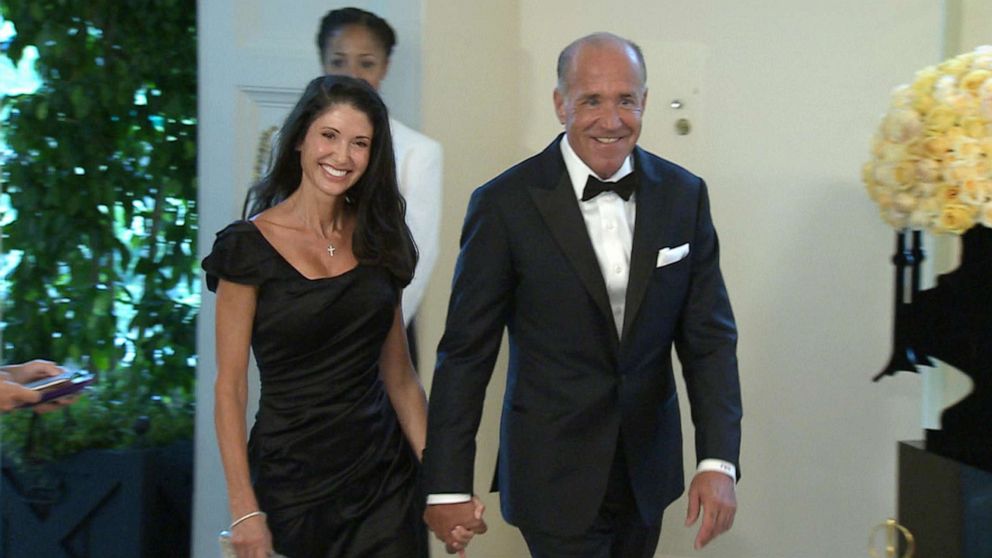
[(99, 218)]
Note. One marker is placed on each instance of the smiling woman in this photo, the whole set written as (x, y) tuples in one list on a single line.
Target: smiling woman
[(337, 144), (316, 220), (310, 284)]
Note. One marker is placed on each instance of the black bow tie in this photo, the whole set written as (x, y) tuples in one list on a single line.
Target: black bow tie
[(623, 187)]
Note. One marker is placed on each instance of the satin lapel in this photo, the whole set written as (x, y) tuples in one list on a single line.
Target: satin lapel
[(560, 211), (653, 213)]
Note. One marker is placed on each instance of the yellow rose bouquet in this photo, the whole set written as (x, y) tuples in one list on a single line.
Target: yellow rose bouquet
[(931, 159)]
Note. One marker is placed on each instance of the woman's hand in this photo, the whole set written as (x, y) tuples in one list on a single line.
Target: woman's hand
[(463, 536), (251, 538)]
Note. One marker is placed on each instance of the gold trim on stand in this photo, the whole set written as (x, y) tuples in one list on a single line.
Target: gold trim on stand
[(892, 531), (264, 155)]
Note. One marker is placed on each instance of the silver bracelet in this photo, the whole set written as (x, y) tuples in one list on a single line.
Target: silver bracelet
[(245, 517)]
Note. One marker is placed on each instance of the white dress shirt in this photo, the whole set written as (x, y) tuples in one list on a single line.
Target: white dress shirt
[(610, 223), (419, 170)]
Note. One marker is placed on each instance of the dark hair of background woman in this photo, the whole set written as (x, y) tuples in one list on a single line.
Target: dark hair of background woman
[(381, 236), (336, 19)]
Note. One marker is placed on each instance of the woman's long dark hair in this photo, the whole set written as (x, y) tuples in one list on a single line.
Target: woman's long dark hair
[(381, 236)]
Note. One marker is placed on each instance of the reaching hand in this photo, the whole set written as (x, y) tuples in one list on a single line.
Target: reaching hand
[(32, 370), (13, 395), (712, 491), (456, 524)]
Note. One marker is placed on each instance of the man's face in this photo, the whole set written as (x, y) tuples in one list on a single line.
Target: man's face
[(602, 105)]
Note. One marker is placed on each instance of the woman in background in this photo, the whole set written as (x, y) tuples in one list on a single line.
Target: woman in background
[(358, 43), (311, 283)]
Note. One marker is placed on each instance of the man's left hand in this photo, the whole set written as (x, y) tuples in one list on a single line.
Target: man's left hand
[(714, 493)]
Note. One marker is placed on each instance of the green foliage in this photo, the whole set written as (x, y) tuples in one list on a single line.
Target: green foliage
[(100, 220)]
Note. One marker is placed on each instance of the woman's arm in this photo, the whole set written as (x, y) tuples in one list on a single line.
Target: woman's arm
[(403, 385), (235, 314)]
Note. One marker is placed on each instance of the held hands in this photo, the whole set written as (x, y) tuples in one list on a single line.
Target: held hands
[(712, 491), (456, 524)]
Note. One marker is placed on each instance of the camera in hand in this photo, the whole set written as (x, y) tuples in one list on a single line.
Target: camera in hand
[(64, 384)]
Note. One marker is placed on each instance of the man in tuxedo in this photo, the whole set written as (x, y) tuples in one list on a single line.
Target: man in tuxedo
[(598, 257)]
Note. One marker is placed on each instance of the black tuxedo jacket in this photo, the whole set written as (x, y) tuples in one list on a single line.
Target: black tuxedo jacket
[(574, 384)]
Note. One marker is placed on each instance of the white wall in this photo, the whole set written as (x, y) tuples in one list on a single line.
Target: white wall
[(473, 106)]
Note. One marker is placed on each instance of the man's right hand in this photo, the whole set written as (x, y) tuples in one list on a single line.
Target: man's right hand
[(448, 521)]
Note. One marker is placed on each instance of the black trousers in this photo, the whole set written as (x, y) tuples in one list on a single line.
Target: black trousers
[(618, 531)]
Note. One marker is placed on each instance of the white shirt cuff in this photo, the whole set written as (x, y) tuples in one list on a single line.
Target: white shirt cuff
[(448, 499), (724, 467)]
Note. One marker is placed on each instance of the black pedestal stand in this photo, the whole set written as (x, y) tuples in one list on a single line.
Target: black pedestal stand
[(946, 504)]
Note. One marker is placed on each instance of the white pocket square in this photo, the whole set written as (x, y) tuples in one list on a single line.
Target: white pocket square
[(668, 256)]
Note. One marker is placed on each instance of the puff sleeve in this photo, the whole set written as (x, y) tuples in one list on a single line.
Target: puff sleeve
[(237, 256)]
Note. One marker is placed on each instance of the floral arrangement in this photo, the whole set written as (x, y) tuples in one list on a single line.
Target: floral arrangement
[(931, 159)]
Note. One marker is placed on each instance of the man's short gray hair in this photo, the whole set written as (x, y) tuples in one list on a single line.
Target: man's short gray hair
[(568, 53)]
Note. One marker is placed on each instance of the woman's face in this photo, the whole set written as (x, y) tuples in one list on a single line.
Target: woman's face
[(335, 152), (354, 51)]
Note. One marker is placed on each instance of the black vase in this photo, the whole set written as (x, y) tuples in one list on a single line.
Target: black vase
[(953, 322)]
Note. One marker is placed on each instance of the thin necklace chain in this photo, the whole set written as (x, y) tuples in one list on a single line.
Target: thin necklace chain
[(331, 249)]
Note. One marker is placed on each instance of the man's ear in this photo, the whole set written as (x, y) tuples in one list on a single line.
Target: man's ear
[(559, 105)]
